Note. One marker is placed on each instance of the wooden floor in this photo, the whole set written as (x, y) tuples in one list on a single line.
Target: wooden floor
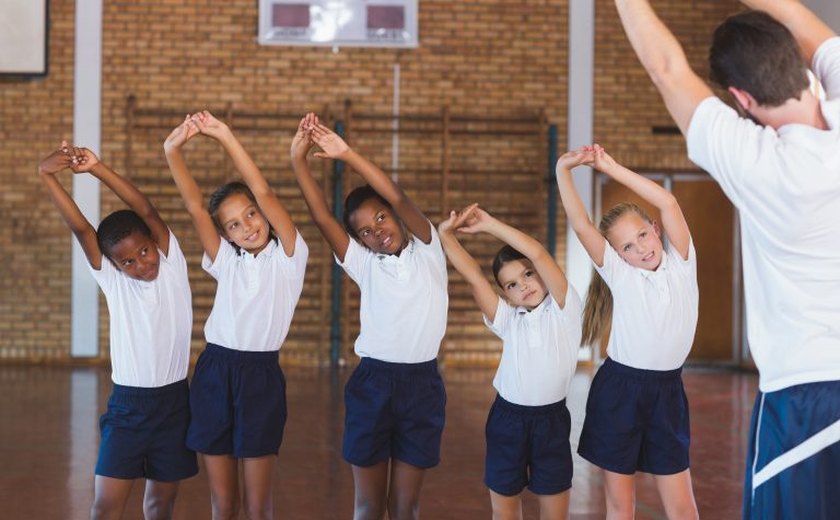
[(49, 434)]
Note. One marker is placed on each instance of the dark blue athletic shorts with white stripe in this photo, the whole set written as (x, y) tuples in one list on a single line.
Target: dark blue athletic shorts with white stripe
[(394, 410), (636, 420), (143, 434), (793, 460), (238, 403), (528, 446)]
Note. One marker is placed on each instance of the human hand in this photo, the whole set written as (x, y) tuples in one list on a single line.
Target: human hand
[(602, 161), (302, 141), (82, 159), (56, 161), (181, 134), (456, 219), (332, 146), (572, 158), (476, 220), (208, 125)]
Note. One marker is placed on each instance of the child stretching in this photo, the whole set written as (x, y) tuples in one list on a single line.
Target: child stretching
[(394, 401), (528, 426), (238, 396), (637, 412), (139, 266)]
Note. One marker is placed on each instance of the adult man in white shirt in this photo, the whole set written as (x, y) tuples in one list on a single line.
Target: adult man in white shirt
[(779, 164)]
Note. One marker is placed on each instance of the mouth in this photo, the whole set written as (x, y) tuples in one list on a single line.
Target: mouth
[(529, 294), (648, 257), (253, 236), (386, 242)]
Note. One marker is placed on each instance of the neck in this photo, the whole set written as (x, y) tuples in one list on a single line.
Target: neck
[(803, 111)]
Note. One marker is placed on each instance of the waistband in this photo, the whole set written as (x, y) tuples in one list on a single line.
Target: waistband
[(242, 356), (640, 373), (522, 409), (156, 391), (401, 368)]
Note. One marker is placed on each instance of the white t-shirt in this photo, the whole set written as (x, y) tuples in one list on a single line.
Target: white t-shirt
[(151, 322), (256, 295), (404, 300), (786, 187), (654, 312), (539, 350)]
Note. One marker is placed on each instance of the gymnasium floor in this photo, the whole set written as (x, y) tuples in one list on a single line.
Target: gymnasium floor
[(49, 435)]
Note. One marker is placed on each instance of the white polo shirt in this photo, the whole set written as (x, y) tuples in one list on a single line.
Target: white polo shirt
[(654, 312), (151, 322), (403, 300), (256, 296), (539, 350), (786, 187)]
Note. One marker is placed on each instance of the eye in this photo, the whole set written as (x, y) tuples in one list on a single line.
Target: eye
[(144, 251), (251, 213), (364, 232), (626, 248), (380, 217), (127, 263), (643, 234), (529, 274), (510, 286), (233, 226)]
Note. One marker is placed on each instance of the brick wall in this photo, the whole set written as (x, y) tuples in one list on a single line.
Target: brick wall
[(480, 57)]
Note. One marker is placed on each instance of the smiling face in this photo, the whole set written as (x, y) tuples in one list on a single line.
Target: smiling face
[(636, 240), (137, 256), (521, 283), (378, 227), (242, 223)]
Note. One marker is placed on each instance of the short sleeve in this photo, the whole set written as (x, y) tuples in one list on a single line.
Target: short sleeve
[(501, 322), (726, 145), (355, 259), (826, 66), (105, 275), (572, 306), (614, 268), (223, 256), (296, 264)]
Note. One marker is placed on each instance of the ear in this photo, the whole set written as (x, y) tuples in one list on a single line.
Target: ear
[(742, 98), (657, 228)]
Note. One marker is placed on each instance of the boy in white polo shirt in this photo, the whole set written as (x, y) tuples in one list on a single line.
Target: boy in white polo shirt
[(140, 268), (395, 400), (779, 164), (528, 426)]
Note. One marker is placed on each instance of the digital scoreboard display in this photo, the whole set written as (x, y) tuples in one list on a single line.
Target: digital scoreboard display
[(339, 23)]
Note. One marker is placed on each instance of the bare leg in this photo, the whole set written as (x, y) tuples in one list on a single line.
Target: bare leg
[(621, 495), (258, 473), (371, 487), (677, 495), (223, 478), (404, 492), (505, 507), (110, 496), (159, 499), (554, 507)]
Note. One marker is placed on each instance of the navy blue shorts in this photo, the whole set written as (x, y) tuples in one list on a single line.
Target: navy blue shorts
[(394, 410), (636, 420), (528, 446), (238, 403), (793, 459), (143, 433)]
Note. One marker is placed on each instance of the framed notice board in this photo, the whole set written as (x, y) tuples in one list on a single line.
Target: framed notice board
[(23, 37), (339, 23)]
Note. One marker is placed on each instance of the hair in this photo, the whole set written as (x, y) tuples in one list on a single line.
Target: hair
[(355, 199), (118, 225), (506, 254), (753, 52), (597, 311)]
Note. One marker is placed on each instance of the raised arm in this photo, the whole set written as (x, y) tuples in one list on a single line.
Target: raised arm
[(208, 235), (269, 204), (127, 192), (664, 60), (314, 196), (483, 293), (586, 232), (334, 147), (673, 220), (85, 233), (549, 271), (810, 32)]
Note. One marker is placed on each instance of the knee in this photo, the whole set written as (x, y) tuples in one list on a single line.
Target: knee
[(158, 508), (225, 508), (258, 511), (621, 508), (404, 508), (686, 511), (368, 510)]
